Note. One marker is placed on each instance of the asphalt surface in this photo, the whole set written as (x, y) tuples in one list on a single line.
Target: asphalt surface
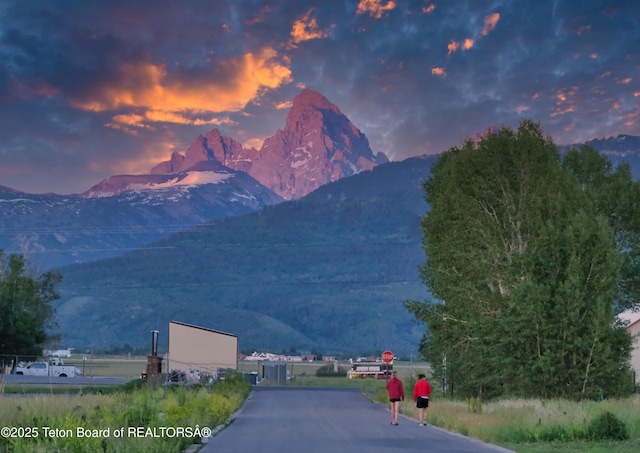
[(79, 380), (309, 420)]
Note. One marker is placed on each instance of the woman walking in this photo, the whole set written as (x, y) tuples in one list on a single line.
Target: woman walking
[(421, 393), (396, 394)]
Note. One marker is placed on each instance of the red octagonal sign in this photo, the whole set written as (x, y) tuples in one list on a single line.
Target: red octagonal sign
[(387, 356)]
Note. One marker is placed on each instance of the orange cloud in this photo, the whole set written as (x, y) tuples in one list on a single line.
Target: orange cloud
[(253, 143), (439, 72), (453, 46), (626, 81), (374, 8), (169, 117), (148, 86), (630, 119), (566, 103), (284, 105), (306, 28), (131, 119), (429, 9), (128, 122), (490, 22)]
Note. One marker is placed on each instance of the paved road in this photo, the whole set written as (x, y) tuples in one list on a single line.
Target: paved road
[(310, 420), (80, 380)]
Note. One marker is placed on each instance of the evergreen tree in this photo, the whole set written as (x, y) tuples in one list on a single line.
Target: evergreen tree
[(526, 265), (25, 310)]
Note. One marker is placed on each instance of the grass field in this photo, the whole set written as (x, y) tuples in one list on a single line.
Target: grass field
[(115, 366)]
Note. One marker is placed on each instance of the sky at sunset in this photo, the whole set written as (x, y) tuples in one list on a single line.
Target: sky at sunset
[(90, 89)]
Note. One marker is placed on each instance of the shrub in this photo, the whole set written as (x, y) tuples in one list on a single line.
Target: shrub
[(328, 371), (607, 426), (474, 405)]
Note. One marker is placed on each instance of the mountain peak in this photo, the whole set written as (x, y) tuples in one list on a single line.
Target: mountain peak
[(318, 145), (311, 98)]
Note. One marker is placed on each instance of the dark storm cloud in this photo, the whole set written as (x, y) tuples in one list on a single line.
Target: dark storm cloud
[(99, 88)]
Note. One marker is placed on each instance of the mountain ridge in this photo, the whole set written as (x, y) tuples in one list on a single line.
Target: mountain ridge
[(329, 270), (216, 177), (315, 132)]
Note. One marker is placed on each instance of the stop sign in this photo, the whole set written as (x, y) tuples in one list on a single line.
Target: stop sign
[(387, 356)]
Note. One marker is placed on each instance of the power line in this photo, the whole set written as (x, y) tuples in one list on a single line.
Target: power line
[(243, 245), (377, 282)]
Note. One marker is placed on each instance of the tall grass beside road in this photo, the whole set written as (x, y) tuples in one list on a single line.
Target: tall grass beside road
[(136, 420), (525, 425)]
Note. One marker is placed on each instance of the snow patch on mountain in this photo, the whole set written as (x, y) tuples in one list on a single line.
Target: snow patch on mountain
[(18, 200), (191, 178), (117, 185)]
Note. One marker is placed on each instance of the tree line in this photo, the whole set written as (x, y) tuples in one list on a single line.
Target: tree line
[(530, 256)]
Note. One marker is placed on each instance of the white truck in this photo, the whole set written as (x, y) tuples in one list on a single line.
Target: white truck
[(53, 368)]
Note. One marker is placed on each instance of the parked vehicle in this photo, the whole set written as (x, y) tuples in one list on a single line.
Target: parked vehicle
[(377, 370), (54, 368)]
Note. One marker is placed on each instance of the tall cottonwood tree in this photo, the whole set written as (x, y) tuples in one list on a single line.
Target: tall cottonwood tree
[(526, 265), (25, 306), (617, 197)]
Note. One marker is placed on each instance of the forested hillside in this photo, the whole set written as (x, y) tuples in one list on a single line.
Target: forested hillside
[(329, 271)]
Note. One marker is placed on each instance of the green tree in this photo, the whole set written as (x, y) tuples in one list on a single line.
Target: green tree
[(25, 306), (617, 197), (527, 269)]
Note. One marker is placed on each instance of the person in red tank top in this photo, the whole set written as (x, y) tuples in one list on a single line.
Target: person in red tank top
[(421, 393), (396, 394)]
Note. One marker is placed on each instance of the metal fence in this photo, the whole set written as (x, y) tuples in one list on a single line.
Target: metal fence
[(8, 362)]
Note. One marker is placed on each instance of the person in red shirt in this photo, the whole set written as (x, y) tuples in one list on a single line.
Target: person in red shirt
[(421, 393), (396, 394)]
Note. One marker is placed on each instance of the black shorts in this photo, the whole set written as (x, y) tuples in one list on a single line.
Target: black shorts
[(422, 402), (393, 400)]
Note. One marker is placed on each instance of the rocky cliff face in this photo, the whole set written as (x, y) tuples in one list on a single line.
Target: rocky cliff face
[(318, 145), (211, 147)]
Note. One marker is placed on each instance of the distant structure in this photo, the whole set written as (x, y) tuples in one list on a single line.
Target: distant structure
[(198, 349), (633, 327), (270, 357), (57, 352), (154, 361)]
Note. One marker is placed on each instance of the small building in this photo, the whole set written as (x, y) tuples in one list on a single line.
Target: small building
[(276, 372), (195, 349), (633, 327)]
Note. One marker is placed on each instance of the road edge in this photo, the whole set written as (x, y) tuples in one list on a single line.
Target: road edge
[(498, 448), (194, 448)]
